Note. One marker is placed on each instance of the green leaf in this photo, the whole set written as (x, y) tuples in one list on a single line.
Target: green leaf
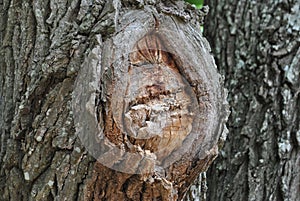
[(197, 3)]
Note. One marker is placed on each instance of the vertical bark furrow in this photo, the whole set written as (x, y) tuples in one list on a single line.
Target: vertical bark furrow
[(256, 45), (7, 73), (41, 52)]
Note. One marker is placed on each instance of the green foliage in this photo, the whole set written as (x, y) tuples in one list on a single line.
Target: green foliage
[(197, 3)]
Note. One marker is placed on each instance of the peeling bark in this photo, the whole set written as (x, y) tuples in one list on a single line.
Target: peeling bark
[(70, 73)]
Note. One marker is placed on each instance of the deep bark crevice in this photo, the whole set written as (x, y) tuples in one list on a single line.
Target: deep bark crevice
[(255, 48)]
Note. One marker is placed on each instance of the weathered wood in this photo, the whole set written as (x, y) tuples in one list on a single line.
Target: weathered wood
[(160, 111)]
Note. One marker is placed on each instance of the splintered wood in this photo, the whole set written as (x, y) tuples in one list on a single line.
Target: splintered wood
[(157, 108)]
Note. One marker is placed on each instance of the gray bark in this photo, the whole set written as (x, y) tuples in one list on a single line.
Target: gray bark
[(50, 53), (257, 47)]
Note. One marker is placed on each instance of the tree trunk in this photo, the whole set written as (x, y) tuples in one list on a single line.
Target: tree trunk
[(256, 46), (85, 91)]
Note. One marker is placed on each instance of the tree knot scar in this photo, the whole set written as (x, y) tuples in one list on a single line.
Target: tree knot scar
[(149, 98)]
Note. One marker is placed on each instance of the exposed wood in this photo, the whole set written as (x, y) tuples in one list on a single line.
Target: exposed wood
[(160, 111)]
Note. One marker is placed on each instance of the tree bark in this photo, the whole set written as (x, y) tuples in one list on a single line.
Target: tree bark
[(78, 119), (256, 46)]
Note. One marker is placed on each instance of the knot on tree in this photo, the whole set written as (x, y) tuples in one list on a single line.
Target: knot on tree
[(150, 99)]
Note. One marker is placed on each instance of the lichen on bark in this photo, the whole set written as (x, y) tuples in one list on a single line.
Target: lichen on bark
[(256, 46)]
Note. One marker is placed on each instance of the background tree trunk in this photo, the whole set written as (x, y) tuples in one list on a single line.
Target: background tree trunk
[(256, 46), (43, 47)]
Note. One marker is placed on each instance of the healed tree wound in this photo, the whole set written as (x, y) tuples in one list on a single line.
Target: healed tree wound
[(160, 112)]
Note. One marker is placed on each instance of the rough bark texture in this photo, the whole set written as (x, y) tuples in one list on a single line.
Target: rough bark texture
[(56, 53), (256, 46)]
